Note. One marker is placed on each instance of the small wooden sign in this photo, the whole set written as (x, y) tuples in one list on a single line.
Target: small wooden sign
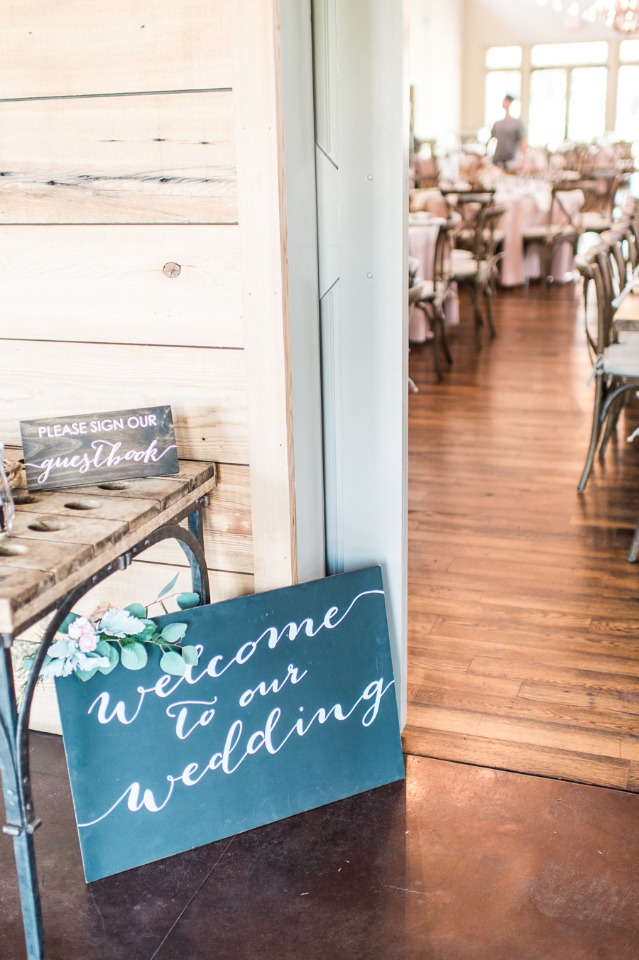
[(94, 447), (292, 705)]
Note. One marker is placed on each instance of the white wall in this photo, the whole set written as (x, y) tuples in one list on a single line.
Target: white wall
[(435, 68)]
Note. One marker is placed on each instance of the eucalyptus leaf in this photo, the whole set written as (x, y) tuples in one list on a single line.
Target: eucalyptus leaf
[(169, 586), (186, 600), (190, 656), (137, 610), (85, 675), (171, 662), (173, 632), (134, 656), (108, 650)]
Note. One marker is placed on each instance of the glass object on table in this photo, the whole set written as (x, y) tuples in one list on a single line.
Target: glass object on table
[(7, 508)]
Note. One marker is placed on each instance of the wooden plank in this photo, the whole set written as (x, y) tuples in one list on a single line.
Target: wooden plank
[(551, 735), (228, 541), (67, 529), (265, 289), (59, 559), (16, 616), (544, 761), (536, 670), (622, 701), (164, 490), (120, 284), (143, 581), (143, 159), (57, 49), (21, 584), (494, 704), (132, 512), (205, 389)]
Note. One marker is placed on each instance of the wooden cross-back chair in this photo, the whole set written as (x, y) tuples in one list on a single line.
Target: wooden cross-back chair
[(430, 295), (599, 201), (563, 225), (468, 205), (477, 267), (614, 356)]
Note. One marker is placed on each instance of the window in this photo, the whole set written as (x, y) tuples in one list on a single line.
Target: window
[(568, 86), (627, 115), (503, 76), (629, 50), (547, 114), (587, 104), (569, 54), (503, 58)]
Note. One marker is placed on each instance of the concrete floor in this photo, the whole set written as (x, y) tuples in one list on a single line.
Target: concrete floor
[(457, 863)]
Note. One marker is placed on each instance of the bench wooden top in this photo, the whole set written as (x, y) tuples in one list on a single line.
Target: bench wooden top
[(61, 539)]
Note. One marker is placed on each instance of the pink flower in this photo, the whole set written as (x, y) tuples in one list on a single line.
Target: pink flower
[(83, 632)]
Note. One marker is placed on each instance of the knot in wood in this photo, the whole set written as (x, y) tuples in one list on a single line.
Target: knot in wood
[(172, 270)]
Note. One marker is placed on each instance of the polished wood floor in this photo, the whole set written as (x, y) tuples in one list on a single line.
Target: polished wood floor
[(523, 611)]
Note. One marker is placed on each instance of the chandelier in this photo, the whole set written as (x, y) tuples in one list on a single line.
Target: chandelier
[(622, 15)]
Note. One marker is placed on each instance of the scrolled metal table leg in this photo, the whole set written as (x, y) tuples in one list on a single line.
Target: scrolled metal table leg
[(20, 825)]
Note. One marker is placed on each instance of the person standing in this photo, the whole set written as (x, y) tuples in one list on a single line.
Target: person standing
[(510, 135)]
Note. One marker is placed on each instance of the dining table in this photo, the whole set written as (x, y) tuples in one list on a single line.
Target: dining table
[(527, 203), (423, 230)]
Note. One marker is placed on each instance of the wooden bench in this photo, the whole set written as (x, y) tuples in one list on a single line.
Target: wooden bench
[(63, 544)]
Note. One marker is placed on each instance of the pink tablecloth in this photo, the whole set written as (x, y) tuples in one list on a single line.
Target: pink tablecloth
[(527, 205), (422, 237)]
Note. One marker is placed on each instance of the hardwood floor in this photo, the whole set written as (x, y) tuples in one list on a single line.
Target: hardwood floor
[(523, 611)]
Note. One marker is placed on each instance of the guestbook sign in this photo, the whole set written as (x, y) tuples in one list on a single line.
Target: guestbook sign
[(291, 706), (94, 447)]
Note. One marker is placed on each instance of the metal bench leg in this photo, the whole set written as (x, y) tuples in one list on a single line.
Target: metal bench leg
[(20, 824)]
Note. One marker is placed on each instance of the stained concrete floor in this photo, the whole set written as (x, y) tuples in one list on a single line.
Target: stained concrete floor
[(457, 863)]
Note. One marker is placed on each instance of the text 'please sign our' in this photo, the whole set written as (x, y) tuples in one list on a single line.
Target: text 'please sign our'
[(96, 447), (291, 706)]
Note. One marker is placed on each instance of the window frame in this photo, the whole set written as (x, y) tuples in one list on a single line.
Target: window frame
[(612, 65)]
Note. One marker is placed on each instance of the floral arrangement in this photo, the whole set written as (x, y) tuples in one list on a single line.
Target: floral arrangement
[(84, 647)]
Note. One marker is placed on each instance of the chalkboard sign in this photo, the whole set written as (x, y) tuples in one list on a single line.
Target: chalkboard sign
[(93, 447), (291, 706)]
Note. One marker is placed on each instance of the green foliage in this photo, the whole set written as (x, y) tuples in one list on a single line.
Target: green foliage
[(119, 637), (187, 600), (134, 656), (137, 610), (173, 632), (163, 592), (173, 663), (110, 651), (190, 656)]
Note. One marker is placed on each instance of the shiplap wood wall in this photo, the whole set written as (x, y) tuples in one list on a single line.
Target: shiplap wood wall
[(136, 134)]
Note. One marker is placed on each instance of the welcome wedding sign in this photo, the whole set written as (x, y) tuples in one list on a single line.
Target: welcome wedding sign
[(93, 448), (291, 706)]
